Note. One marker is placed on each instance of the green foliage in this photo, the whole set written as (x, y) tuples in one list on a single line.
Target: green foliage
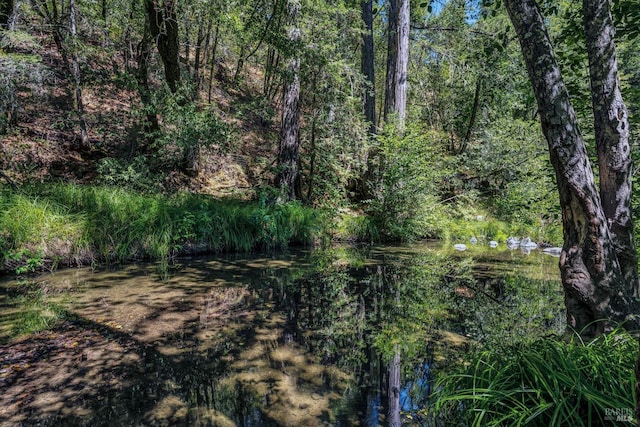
[(34, 229), (187, 126), (406, 203), (115, 224), (133, 174), (545, 383)]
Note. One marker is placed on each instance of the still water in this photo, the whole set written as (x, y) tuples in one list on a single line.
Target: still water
[(339, 337)]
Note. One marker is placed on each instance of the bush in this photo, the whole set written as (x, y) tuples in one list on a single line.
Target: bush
[(406, 203)]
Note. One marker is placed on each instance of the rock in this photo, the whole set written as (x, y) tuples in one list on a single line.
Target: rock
[(553, 251), (513, 242), (473, 240), (493, 244), (460, 247), (526, 243)]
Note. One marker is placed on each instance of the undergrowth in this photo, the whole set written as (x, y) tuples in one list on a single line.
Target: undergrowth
[(547, 383), (77, 224)]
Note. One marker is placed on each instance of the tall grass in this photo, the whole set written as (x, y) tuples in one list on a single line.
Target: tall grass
[(548, 383), (71, 222)]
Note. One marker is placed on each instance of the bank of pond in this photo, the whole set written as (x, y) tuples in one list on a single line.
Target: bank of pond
[(417, 335)]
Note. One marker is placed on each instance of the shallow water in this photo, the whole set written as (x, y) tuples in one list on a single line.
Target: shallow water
[(341, 337)]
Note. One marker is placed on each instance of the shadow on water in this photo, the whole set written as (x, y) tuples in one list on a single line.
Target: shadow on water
[(340, 337)]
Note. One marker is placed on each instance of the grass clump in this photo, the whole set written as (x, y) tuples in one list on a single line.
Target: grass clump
[(549, 382), (71, 222)]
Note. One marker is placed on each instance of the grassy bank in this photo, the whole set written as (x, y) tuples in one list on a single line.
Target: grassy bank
[(67, 224)]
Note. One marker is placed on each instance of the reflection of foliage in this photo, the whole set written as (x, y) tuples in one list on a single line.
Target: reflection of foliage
[(512, 308), (36, 311), (547, 382)]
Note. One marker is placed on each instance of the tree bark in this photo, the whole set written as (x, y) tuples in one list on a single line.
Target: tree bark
[(290, 126), (392, 58), (164, 29), (611, 124), (596, 296), (151, 126), (77, 76), (402, 63), (368, 66)]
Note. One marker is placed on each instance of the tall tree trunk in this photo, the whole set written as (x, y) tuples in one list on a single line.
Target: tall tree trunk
[(611, 123), (164, 29), (212, 58), (290, 126), (472, 118), (196, 65), (77, 76), (368, 66), (392, 58), (402, 62), (151, 126), (596, 296)]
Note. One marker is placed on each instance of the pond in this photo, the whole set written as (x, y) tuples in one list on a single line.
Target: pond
[(338, 337)]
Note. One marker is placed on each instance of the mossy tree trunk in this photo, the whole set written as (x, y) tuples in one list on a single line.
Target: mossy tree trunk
[(597, 296)]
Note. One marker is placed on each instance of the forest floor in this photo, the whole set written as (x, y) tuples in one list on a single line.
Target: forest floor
[(44, 143)]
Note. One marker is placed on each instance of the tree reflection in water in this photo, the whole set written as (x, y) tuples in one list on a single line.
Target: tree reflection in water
[(340, 337)]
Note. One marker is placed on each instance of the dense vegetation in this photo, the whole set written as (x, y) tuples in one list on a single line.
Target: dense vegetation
[(153, 129), (471, 145)]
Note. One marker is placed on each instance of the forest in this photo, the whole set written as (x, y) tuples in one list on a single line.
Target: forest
[(154, 131)]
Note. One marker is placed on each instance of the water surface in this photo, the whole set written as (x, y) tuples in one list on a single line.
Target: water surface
[(347, 336)]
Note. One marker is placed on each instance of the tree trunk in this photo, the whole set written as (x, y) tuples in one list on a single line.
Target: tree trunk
[(212, 58), (472, 118), (77, 76), (596, 296), (151, 126), (290, 126), (368, 66), (196, 65), (611, 123), (164, 29), (402, 62), (392, 58)]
